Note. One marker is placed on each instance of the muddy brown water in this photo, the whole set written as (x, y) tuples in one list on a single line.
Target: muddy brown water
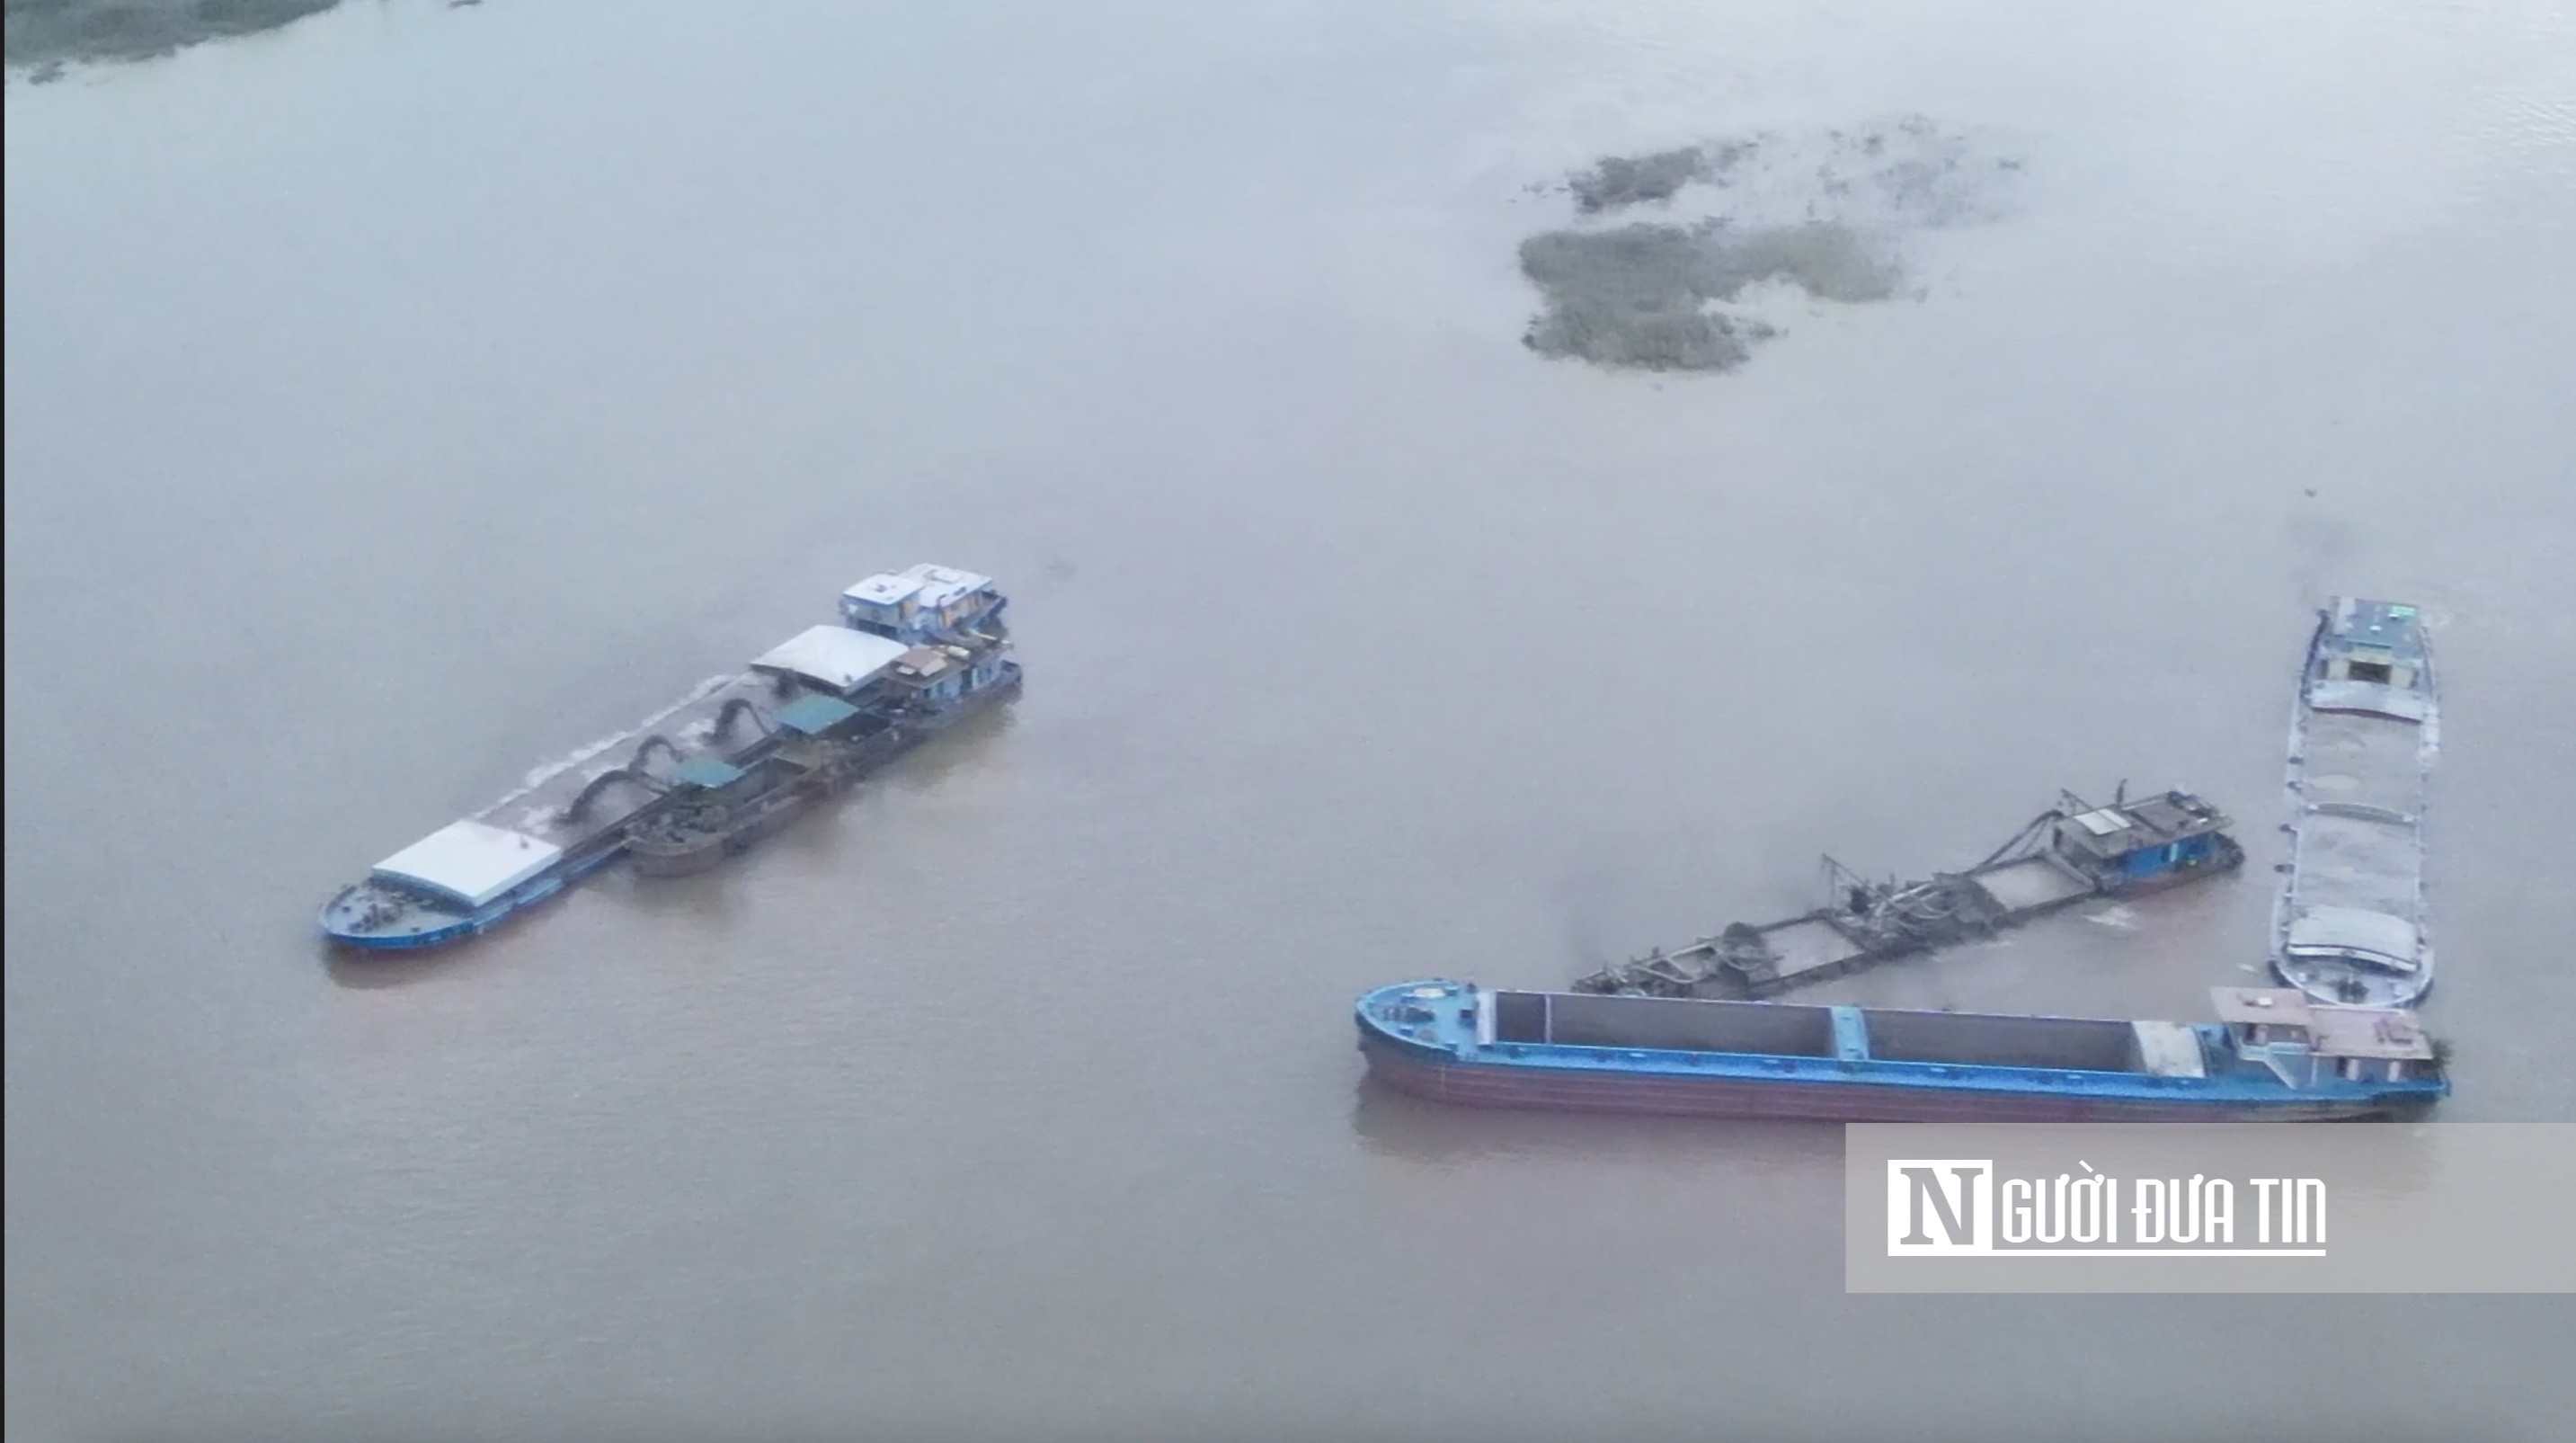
[(407, 397)]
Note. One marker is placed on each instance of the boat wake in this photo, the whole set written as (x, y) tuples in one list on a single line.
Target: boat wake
[(546, 772)]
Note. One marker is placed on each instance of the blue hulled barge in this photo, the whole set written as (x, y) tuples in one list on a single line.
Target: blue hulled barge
[(913, 652), (2271, 1056)]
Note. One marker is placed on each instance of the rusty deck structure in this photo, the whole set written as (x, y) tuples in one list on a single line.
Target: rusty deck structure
[(2071, 853)]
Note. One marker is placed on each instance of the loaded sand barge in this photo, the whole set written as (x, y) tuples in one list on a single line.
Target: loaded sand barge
[(2073, 852), (822, 687), (2271, 1056), (2350, 922)]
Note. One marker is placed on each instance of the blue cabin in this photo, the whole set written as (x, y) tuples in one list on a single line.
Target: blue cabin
[(924, 603), (2128, 843)]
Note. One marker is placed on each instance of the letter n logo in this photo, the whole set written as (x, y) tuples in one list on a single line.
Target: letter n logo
[(1940, 1206)]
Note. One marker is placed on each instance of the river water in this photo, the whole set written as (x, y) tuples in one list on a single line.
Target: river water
[(409, 396)]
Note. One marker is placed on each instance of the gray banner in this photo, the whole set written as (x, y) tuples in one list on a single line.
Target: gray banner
[(2211, 1208)]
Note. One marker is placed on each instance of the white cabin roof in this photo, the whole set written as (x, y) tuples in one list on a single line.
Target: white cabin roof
[(472, 862), (884, 589), (835, 656), (2103, 822), (941, 585), (2355, 931)]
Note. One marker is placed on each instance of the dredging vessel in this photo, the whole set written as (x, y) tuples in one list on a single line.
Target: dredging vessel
[(2271, 1056), (2073, 852), (840, 688), (826, 745), (2350, 924)]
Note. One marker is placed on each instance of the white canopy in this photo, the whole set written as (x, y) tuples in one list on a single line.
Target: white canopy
[(471, 862), (2355, 932), (838, 657)]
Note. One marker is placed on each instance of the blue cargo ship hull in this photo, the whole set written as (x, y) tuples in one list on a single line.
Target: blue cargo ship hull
[(342, 919), (1789, 1098), (1455, 1043)]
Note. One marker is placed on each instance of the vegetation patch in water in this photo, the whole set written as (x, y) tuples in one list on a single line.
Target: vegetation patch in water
[(1649, 296), (47, 34), (1823, 213), (1616, 181)]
